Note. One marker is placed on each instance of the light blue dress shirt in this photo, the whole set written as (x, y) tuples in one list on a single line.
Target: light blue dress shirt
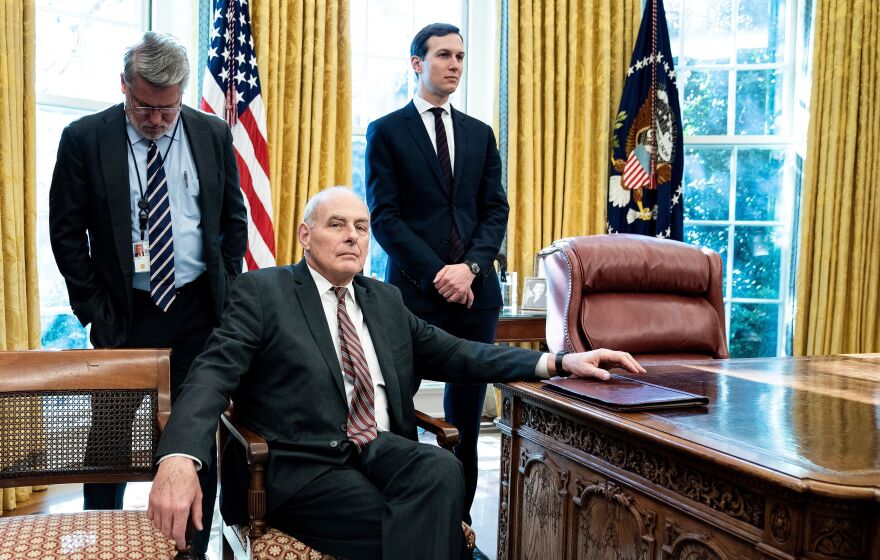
[(183, 197)]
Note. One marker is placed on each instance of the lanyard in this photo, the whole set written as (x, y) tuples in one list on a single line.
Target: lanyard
[(143, 204)]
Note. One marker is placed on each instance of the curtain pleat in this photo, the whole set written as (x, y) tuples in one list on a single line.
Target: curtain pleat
[(303, 47), (567, 63), (838, 274), (20, 321)]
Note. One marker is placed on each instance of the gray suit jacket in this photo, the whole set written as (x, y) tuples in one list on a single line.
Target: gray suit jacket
[(90, 216), (273, 353)]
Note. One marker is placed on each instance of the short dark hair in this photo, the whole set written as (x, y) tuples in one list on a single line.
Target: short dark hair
[(419, 46)]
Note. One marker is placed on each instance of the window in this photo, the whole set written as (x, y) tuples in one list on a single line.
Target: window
[(736, 62), (79, 57), (382, 79)]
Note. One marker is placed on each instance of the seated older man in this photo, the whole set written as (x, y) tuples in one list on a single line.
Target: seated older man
[(323, 362)]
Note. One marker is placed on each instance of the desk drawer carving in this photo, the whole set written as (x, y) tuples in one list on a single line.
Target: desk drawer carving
[(727, 497)]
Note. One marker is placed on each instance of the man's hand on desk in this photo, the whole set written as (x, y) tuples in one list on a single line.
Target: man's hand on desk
[(174, 495), (594, 363)]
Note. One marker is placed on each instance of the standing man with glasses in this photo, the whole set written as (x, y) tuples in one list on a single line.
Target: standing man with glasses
[(434, 190), (148, 227)]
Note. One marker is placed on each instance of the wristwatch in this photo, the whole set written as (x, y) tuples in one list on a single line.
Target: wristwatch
[(559, 369), (475, 268)]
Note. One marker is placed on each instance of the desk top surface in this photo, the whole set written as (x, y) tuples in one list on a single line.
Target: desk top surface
[(815, 418)]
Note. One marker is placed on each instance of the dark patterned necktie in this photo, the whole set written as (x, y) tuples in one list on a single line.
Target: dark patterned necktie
[(161, 241), (361, 426), (456, 246)]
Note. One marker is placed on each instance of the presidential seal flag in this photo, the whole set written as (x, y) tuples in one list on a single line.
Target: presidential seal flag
[(231, 90), (644, 187)]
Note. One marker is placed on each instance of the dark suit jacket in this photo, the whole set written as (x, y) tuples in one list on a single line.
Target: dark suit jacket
[(273, 351), (412, 211), (90, 216)]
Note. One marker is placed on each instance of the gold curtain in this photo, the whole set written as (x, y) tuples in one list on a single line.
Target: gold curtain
[(20, 322), (303, 48), (838, 276), (567, 63)]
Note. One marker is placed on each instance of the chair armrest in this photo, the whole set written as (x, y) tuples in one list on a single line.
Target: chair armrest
[(255, 444), (447, 434), (257, 455)]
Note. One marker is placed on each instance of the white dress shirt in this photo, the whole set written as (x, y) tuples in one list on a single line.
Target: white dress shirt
[(424, 109)]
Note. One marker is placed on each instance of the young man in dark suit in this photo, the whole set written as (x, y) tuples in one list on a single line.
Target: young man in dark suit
[(434, 190), (148, 226), (323, 362)]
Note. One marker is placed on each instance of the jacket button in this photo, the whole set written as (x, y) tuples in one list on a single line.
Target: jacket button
[(334, 443), (343, 427)]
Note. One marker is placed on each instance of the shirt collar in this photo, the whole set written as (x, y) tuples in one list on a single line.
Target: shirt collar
[(134, 136), (324, 285), (422, 105)]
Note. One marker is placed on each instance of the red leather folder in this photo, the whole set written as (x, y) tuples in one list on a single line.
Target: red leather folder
[(624, 393)]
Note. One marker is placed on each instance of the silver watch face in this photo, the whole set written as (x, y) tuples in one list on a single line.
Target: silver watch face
[(475, 268)]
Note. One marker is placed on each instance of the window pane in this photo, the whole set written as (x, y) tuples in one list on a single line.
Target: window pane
[(389, 28), (123, 11), (58, 53), (358, 147), (63, 331), (708, 38), (431, 12), (80, 56), (710, 237), (758, 183), (707, 183), (756, 262), (358, 13), (673, 23), (384, 87), (753, 330), (759, 102), (705, 103), (760, 34)]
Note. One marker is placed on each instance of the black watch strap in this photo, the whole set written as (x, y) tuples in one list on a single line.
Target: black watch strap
[(559, 369)]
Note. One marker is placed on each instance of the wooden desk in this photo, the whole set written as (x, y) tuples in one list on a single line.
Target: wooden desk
[(784, 463), (521, 327)]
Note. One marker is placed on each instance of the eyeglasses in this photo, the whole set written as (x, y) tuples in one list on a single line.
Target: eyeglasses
[(147, 110)]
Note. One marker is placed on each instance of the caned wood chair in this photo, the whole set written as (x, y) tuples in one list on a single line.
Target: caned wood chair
[(50, 402), (258, 541)]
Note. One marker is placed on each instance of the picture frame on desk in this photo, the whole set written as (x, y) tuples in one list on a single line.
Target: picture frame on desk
[(534, 294)]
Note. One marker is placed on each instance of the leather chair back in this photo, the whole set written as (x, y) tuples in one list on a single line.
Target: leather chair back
[(655, 298)]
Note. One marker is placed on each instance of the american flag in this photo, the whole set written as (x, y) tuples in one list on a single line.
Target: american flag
[(231, 90)]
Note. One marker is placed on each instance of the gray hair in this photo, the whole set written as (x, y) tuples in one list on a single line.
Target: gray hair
[(159, 59), (320, 198)]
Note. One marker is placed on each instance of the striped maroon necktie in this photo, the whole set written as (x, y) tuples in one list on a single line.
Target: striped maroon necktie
[(456, 246), (361, 427)]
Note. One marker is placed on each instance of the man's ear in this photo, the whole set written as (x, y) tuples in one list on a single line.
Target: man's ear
[(122, 82), (416, 64), (302, 234)]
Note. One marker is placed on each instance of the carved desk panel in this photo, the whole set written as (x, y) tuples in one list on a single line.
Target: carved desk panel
[(784, 463)]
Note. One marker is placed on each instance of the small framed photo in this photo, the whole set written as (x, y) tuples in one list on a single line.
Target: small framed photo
[(534, 294)]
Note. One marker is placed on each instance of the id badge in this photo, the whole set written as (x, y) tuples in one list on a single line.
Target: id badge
[(140, 250)]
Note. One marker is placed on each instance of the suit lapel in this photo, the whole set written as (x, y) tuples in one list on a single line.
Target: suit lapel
[(113, 154), (416, 127), (310, 300), (459, 129), (373, 315)]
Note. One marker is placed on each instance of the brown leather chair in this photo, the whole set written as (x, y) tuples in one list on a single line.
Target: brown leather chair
[(48, 404), (258, 541), (657, 299)]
